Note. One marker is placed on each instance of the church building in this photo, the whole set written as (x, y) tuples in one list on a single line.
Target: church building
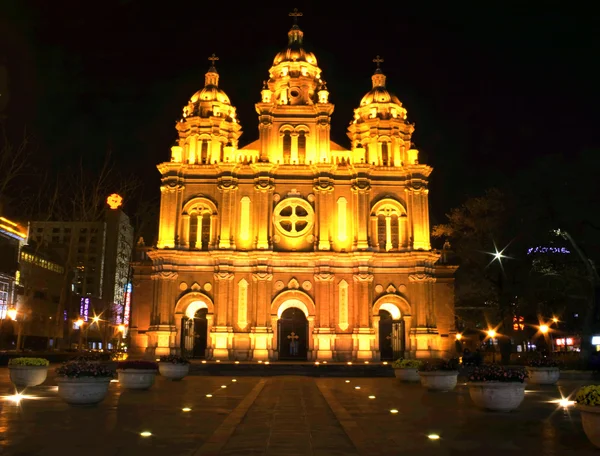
[(293, 247)]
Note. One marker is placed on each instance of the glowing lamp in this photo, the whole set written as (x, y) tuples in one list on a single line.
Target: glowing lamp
[(121, 328), (433, 437), (491, 333), (96, 319), (146, 434), (114, 201), (12, 314), (544, 329), (79, 323), (555, 320), (459, 336)]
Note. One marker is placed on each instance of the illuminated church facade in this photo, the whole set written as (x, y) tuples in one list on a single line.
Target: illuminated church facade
[(293, 247)]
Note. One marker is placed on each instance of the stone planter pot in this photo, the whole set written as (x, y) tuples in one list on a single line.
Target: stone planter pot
[(439, 380), (136, 379), (83, 390), (407, 375), (590, 418), (497, 396), (543, 375), (173, 371), (23, 376)]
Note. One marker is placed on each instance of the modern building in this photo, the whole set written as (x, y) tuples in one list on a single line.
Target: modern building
[(294, 247), (12, 238), (99, 253)]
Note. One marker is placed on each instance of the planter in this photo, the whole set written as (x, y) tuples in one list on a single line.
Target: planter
[(543, 375), (137, 379), (590, 418), (497, 396), (439, 380), (83, 390), (173, 371), (407, 375), (23, 376)]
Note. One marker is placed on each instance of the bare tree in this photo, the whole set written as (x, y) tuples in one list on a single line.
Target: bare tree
[(14, 160)]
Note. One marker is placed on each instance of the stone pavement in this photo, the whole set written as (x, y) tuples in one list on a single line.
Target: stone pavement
[(287, 416)]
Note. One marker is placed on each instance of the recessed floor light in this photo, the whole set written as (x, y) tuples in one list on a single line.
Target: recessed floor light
[(565, 403), (371, 397), (349, 363), (357, 387), (223, 386), (366, 362), (186, 409), (114, 380), (209, 395), (218, 360), (394, 411), (146, 433), (433, 437), (259, 362), (203, 362), (233, 380), (267, 362), (237, 362), (324, 362), (385, 363), (317, 363), (347, 381)]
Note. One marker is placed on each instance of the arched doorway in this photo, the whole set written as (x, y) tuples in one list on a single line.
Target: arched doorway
[(391, 336), (194, 334), (293, 334)]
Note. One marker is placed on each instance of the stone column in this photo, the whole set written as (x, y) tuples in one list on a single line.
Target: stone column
[(374, 233), (324, 194), (227, 186), (185, 231), (324, 300), (213, 230), (361, 189), (168, 216), (263, 191), (294, 149), (388, 233)]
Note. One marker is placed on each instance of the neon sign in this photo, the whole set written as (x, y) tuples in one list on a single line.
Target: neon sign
[(127, 310), (84, 308)]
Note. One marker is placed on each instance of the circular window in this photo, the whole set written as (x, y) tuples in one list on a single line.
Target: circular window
[(294, 93), (293, 217)]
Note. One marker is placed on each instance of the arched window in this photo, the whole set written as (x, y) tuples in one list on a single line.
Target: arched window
[(302, 147), (384, 154), (287, 147), (199, 217), (245, 227), (204, 152), (342, 221), (390, 228)]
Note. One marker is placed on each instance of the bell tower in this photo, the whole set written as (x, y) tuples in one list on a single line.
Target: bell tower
[(294, 113)]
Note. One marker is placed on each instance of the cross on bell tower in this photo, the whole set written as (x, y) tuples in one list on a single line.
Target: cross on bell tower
[(378, 61)]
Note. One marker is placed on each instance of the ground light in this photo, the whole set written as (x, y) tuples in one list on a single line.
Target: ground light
[(146, 433), (394, 411), (223, 386), (317, 363), (349, 363), (204, 362), (371, 397), (267, 362), (385, 363), (347, 381), (218, 361), (237, 362), (357, 387), (433, 437), (233, 380), (209, 395), (186, 409)]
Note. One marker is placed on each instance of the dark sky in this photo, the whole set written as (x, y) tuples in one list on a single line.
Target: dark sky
[(491, 88)]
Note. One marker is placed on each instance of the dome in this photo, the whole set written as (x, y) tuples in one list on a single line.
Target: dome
[(379, 95), (210, 93), (295, 52)]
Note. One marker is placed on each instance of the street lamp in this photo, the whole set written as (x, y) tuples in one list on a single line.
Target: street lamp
[(491, 333), (544, 329), (459, 336)]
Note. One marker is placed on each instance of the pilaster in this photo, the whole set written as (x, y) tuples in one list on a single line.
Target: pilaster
[(361, 190), (324, 191), (227, 186)]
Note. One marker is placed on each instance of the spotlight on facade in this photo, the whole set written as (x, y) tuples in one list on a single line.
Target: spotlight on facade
[(12, 314), (555, 320), (317, 363), (267, 362), (121, 328), (203, 361)]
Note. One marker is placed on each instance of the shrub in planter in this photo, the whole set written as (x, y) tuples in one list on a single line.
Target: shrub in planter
[(28, 371), (543, 370), (407, 369), (497, 388), (173, 367), (83, 382), (439, 375), (588, 403), (137, 374)]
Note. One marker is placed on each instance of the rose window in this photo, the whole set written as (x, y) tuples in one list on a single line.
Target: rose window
[(293, 217)]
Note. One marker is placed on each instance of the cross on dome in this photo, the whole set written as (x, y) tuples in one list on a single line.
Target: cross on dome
[(378, 61), (295, 14), (213, 58)]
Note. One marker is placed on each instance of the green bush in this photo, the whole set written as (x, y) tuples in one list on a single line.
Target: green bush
[(28, 362), (407, 364), (588, 395)]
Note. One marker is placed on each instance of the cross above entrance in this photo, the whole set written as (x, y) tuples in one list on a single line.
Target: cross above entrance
[(293, 336)]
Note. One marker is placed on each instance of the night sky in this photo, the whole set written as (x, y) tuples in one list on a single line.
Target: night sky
[(490, 88)]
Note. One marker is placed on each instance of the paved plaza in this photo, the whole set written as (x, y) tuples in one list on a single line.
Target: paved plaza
[(287, 416)]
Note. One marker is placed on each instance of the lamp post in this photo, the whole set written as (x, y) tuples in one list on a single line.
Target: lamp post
[(13, 314), (491, 334), (79, 324)]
